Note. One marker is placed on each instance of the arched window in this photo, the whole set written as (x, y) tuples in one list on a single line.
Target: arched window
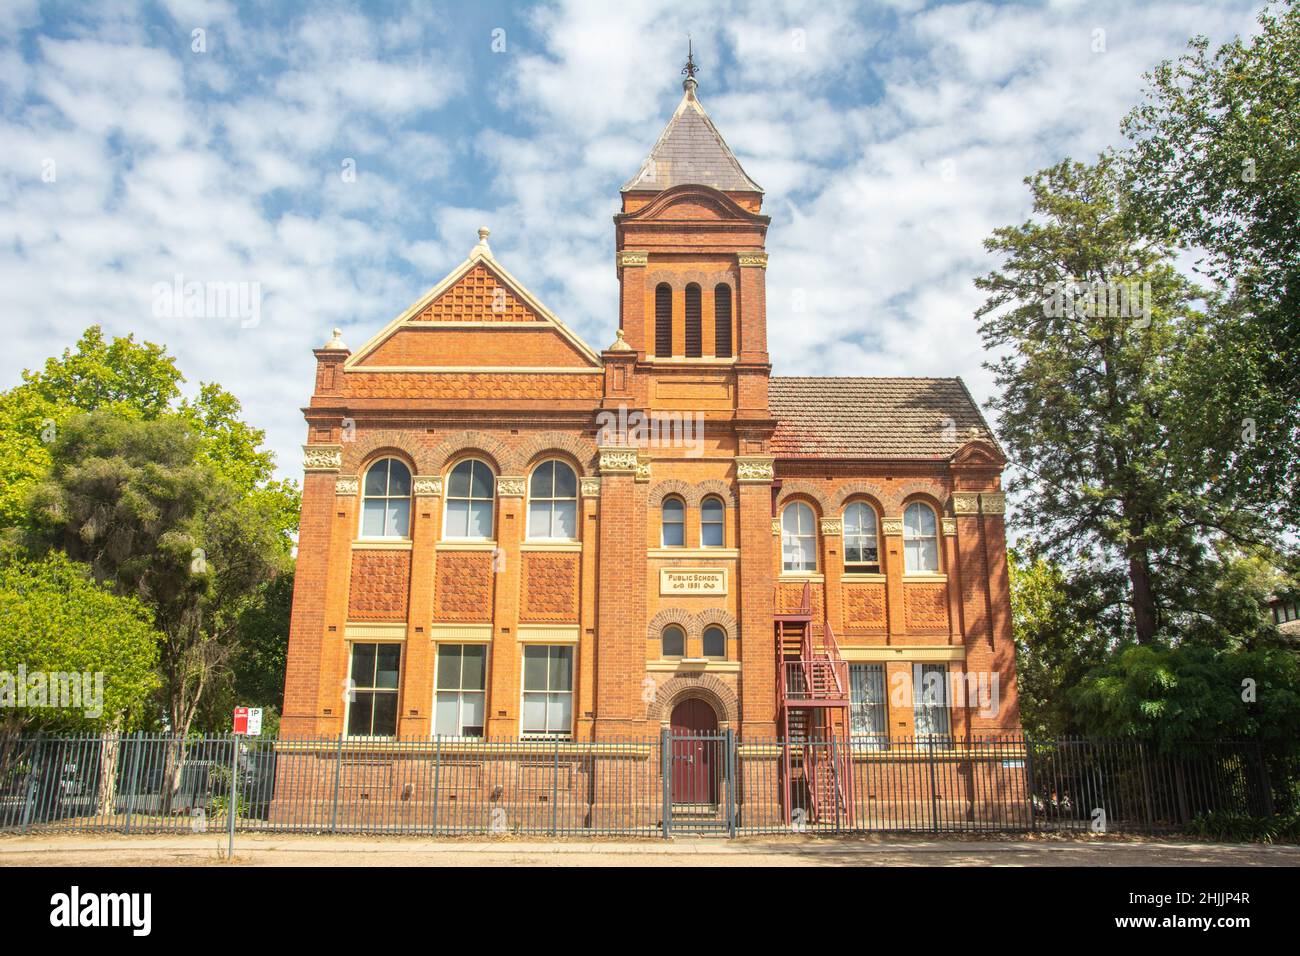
[(715, 641), (553, 502), (861, 543), (663, 320), (470, 492), (694, 332), (798, 538), (673, 523), (722, 320), (386, 504), (674, 642), (712, 523), (920, 542)]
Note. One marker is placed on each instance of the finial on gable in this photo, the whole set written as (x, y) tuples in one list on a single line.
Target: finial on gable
[(690, 69), (482, 247), (620, 343), (336, 340)]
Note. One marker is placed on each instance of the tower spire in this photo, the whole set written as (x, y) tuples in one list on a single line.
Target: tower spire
[(690, 69)]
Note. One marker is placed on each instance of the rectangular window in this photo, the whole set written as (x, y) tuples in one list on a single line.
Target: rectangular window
[(930, 704), (374, 674), (868, 717), (459, 699), (548, 690)]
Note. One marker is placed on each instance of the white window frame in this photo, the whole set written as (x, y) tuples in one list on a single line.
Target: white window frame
[(548, 692), (663, 521), (936, 736), (448, 498), (355, 688), (663, 652), (798, 507), (874, 537), (721, 522), (861, 709), (386, 498), (528, 504), (460, 690), (914, 539), (704, 647)]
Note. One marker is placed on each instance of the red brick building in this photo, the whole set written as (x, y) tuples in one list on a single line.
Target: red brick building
[(508, 534)]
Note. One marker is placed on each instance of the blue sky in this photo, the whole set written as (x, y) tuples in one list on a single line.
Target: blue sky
[(891, 138)]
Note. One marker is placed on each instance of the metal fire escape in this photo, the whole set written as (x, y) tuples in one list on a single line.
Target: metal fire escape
[(813, 710)]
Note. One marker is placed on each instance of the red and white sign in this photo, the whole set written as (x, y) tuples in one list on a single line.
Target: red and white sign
[(248, 721)]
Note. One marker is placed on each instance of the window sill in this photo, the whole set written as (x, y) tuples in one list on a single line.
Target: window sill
[(874, 577), (674, 552), (559, 545), (694, 664), (470, 544), (381, 544), (812, 576), (926, 577)]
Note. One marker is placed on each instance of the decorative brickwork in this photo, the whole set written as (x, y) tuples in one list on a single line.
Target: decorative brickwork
[(380, 585), (478, 297), (550, 588), (864, 606), (925, 606), (463, 589)]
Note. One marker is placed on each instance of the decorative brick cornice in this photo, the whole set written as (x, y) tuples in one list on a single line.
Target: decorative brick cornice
[(752, 260), (965, 503), (617, 460), (832, 526), (511, 486), (633, 257), (322, 457), (347, 485), (589, 487), (993, 503), (755, 469), (891, 527), (427, 486), (949, 525)]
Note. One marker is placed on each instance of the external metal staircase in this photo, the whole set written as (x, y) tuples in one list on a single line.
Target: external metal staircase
[(813, 710)]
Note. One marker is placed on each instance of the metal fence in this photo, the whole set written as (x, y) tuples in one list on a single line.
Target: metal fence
[(667, 785)]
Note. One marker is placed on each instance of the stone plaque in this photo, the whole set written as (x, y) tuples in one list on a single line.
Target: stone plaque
[(693, 581)]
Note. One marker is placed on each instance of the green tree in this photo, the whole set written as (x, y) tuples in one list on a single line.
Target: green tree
[(1095, 398), (1215, 161), (56, 619)]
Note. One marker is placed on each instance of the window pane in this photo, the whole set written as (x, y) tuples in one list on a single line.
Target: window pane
[(471, 715), (564, 524), (458, 484), (715, 642), (449, 666), (388, 658), (377, 478), (542, 482), (566, 482), (399, 479), (372, 518), (561, 668), (446, 719), (539, 519), (399, 517), (481, 486), (385, 720), (534, 717), (475, 667), (534, 668), (457, 519), (711, 510), (711, 535), (359, 714), (674, 535), (559, 713), (363, 665), (480, 519), (674, 510), (674, 642)]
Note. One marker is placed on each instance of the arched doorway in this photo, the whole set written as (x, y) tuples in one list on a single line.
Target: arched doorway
[(697, 752)]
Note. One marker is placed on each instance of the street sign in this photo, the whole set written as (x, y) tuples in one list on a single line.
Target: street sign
[(248, 721)]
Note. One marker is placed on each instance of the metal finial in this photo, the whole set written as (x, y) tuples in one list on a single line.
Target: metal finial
[(690, 69)]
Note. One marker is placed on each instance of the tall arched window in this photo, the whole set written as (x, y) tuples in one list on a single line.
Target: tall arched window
[(663, 320), (553, 502), (722, 320), (386, 501), (694, 331), (713, 532), (861, 544), (673, 523), (470, 493), (674, 642), (920, 540), (715, 641), (798, 538)]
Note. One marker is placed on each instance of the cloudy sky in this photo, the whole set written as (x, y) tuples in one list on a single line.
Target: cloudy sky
[(890, 138)]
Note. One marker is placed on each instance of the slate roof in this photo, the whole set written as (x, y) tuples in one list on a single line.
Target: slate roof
[(691, 150), (922, 418)]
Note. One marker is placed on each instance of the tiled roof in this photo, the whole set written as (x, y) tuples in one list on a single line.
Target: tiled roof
[(873, 417), (690, 150)]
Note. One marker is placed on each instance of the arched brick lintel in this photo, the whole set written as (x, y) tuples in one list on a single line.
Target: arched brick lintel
[(704, 687)]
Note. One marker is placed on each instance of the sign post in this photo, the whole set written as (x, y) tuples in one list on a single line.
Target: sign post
[(247, 723)]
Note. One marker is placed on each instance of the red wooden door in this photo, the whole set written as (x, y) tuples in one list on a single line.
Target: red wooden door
[(696, 752)]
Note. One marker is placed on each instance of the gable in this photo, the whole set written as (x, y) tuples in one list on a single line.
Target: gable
[(478, 317)]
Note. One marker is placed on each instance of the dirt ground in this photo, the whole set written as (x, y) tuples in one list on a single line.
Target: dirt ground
[(309, 850)]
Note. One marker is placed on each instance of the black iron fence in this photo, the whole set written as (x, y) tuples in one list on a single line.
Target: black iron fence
[(144, 783)]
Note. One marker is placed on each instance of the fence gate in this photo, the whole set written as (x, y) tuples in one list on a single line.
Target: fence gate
[(699, 773)]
